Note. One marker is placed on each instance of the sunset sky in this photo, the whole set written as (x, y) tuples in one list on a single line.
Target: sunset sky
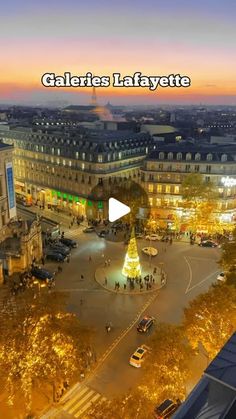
[(155, 37)]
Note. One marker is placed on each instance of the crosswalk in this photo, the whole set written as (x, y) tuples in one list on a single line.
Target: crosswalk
[(80, 403)]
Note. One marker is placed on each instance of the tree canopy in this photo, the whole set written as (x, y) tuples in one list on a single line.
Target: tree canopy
[(210, 318), (39, 341)]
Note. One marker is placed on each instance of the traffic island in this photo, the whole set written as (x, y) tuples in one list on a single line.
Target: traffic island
[(110, 277)]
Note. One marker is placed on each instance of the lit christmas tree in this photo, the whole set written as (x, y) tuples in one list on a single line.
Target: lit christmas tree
[(132, 267)]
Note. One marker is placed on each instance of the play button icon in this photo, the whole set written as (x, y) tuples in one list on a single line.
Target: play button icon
[(116, 209)]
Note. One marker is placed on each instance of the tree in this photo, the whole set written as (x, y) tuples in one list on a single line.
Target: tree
[(166, 369), (131, 266), (210, 318), (200, 197), (228, 258), (130, 406), (39, 342)]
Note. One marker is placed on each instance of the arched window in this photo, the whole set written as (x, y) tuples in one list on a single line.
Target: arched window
[(209, 156), (188, 156), (224, 157), (179, 156), (197, 156), (170, 156), (161, 155)]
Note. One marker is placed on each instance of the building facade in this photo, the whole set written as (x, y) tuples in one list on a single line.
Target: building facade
[(7, 193), (165, 169), (59, 169)]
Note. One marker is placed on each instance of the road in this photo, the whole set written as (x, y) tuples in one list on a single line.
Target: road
[(190, 271)]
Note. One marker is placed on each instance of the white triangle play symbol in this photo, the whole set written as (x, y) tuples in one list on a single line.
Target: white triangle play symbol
[(116, 209)]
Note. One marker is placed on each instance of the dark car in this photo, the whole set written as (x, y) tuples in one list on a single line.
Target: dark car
[(58, 257), (166, 409), (60, 248), (68, 242), (208, 243), (145, 324), (41, 274), (103, 233)]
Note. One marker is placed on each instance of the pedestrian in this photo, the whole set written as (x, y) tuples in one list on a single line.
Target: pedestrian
[(105, 281), (124, 286), (105, 263), (109, 262), (154, 271), (90, 258), (82, 277)]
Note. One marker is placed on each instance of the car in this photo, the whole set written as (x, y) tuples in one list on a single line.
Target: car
[(89, 230), (153, 237), (138, 356), (58, 257), (42, 274), (145, 324), (150, 251), (103, 233), (68, 242), (208, 243), (166, 409), (60, 248), (139, 236), (221, 277)]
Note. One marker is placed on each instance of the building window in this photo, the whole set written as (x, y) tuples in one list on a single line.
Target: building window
[(151, 201), (188, 156), (63, 162), (53, 150), (108, 157), (76, 154), (82, 166), (179, 156), (208, 169), (159, 188), (224, 157), (83, 156), (176, 189), (209, 157), (100, 159), (170, 156), (161, 156), (146, 150), (120, 155), (187, 168), (197, 156), (70, 164), (196, 168), (160, 166), (150, 187), (42, 148), (167, 188), (58, 151), (58, 161), (207, 178)]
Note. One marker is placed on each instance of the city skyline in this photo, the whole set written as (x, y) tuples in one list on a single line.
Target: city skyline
[(162, 39)]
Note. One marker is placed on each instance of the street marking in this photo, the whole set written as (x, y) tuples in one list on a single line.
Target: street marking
[(195, 257), (81, 401), (190, 274), (201, 282), (71, 401), (81, 411)]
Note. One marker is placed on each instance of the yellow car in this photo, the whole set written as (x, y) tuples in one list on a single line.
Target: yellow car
[(138, 356)]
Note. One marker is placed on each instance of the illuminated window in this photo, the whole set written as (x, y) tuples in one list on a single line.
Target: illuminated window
[(63, 162), (58, 161), (58, 151), (83, 166), (53, 150), (42, 148), (52, 159), (120, 155), (197, 156), (150, 187), (83, 156), (100, 158), (161, 156), (108, 157), (159, 188), (70, 163), (188, 156), (151, 201), (167, 188), (76, 154), (146, 150), (176, 189), (221, 190)]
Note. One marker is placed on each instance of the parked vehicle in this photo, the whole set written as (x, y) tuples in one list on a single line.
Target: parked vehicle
[(166, 409), (68, 242), (60, 248), (42, 274), (55, 256), (208, 243), (138, 356), (103, 233), (221, 277)]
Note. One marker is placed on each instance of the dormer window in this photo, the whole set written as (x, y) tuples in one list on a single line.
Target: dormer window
[(179, 156), (161, 155), (100, 158), (209, 157), (188, 156), (197, 156), (170, 156), (224, 157)]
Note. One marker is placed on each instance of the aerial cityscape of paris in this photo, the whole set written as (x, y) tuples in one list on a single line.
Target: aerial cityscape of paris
[(118, 210)]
